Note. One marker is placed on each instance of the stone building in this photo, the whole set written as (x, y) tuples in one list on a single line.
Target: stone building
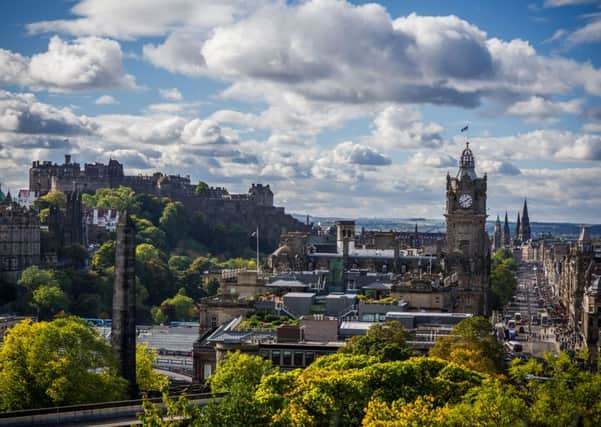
[(249, 211), (467, 261), (19, 239), (574, 270)]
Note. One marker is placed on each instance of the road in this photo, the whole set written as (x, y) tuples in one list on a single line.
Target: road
[(529, 309)]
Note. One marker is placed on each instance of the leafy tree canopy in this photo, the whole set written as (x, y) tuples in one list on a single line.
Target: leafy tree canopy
[(471, 344), (63, 362), (119, 198), (385, 341)]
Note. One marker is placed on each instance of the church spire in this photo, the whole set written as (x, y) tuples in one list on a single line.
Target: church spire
[(506, 233), (518, 225), (525, 226)]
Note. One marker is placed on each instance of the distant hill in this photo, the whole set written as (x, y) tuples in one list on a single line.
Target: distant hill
[(559, 229)]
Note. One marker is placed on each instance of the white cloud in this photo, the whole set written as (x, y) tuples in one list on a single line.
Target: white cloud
[(589, 33), (143, 18), (549, 145), (539, 108), (172, 94), (592, 127), (402, 127), (85, 63), (22, 113), (105, 100), (179, 53), (560, 3)]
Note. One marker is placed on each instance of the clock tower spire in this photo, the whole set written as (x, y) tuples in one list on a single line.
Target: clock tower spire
[(468, 248)]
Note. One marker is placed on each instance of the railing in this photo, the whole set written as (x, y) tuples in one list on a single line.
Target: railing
[(119, 413)]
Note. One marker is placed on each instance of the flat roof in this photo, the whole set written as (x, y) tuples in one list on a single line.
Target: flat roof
[(427, 313), (287, 284), (299, 294)]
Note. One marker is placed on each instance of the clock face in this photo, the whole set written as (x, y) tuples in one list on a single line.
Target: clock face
[(465, 201)]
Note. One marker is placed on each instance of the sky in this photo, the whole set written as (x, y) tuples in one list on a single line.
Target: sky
[(349, 109)]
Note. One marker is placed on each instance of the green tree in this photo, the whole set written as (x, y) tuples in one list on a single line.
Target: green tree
[(158, 317), (33, 277), (472, 344), (52, 199), (154, 274), (63, 362), (151, 207), (181, 307), (119, 198), (104, 256), (202, 188), (491, 404), (48, 299), (147, 378), (213, 286), (385, 341), (174, 222)]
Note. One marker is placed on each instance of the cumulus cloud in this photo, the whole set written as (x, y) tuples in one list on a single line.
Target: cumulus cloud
[(432, 159), (172, 94), (497, 167), (330, 52), (22, 113), (402, 127), (85, 63), (143, 18), (549, 144), (105, 100), (538, 108), (359, 154)]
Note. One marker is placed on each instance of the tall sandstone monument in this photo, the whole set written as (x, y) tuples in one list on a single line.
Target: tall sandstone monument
[(123, 329)]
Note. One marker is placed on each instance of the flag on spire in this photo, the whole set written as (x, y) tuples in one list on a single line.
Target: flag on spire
[(463, 129)]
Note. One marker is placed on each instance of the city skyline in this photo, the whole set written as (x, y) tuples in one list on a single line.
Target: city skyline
[(346, 109)]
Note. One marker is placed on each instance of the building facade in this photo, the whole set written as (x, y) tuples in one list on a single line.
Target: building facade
[(467, 260)]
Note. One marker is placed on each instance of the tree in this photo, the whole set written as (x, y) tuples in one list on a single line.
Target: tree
[(202, 188), (63, 362), (213, 286), (491, 404), (104, 256), (54, 199), (421, 412), (174, 222), (158, 316), (119, 198), (49, 299), (239, 371), (387, 342), (147, 378), (471, 344), (151, 207), (181, 307), (33, 277)]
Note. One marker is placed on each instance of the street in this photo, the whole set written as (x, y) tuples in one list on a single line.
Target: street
[(528, 317)]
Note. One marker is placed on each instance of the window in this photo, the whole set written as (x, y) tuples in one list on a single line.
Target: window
[(207, 370), (213, 322), (309, 358), (275, 357), (264, 354), (298, 358), (287, 358)]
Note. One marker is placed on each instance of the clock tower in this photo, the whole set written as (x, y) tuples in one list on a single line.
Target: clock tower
[(467, 261)]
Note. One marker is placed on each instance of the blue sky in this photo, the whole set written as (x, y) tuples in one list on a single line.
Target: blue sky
[(345, 108)]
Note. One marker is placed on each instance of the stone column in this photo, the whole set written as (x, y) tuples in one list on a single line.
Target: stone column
[(123, 329)]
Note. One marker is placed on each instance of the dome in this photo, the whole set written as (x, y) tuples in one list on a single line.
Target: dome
[(467, 165)]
